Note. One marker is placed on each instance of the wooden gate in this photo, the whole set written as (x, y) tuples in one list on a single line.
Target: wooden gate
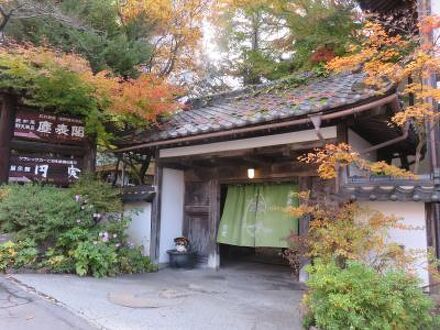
[(201, 217)]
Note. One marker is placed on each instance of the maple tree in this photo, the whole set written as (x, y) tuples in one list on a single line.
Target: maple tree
[(57, 81), (342, 232), (409, 61), (331, 158), (176, 31)]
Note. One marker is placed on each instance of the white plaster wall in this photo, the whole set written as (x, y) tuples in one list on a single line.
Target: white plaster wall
[(412, 214), (171, 222), (359, 144), (139, 230)]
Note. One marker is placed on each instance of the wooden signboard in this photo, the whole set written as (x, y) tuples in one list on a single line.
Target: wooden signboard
[(38, 126), (40, 146), (33, 167)]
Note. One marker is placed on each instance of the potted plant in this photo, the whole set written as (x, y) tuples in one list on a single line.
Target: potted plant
[(182, 256)]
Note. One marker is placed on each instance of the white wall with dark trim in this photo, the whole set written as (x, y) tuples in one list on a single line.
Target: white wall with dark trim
[(139, 229), (171, 219)]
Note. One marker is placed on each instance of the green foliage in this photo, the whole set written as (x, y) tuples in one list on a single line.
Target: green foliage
[(40, 212), (101, 195), (77, 230), (271, 39), (321, 24), (58, 263), (358, 297), (105, 42), (95, 258), (53, 86), (17, 255), (132, 261)]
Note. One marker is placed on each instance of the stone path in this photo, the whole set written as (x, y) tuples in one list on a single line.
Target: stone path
[(22, 310), (238, 298)]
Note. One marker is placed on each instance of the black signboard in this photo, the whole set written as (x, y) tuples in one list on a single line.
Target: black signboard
[(31, 167), (39, 126)]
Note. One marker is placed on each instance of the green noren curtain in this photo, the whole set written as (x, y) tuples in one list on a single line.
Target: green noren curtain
[(254, 215)]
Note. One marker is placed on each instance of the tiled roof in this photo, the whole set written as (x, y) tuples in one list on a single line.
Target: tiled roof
[(424, 189), (269, 103)]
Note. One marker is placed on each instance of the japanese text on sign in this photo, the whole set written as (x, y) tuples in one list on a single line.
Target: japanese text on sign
[(39, 126), (31, 168)]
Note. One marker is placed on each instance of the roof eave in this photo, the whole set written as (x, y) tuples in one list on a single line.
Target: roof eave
[(376, 102)]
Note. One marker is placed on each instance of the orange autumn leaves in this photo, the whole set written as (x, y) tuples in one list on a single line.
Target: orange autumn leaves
[(394, 58), (176, 31), (331, 158), (144, 98)]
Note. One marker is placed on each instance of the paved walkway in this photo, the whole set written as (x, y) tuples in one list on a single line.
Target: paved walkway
[(241, 297), (21, 310)]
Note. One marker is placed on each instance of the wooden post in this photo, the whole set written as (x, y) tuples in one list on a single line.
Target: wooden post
[(155, 211), (7, 118), (214, 220)]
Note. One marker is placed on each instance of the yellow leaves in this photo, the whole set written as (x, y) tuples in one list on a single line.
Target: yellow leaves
[(391, 58), (378, 56), (299, 211), (4, 192), (43, 57), (419, 114), (382, 168), (176, 31), (354, 233), (331, 158)]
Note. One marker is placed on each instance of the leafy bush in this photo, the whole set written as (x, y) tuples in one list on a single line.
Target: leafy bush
[(97, 193), (40, 212), (358, 297), (17, 255), (95, 258), (131, 261), (78, 230)]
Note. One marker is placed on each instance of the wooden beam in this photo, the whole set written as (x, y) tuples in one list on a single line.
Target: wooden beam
[(249, 143), (7, 118)]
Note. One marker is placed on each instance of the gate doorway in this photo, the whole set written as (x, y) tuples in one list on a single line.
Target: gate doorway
[(256, 215)]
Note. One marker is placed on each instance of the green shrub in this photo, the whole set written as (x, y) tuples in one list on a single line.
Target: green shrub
[(132, 261), (79, 230), (95, 258), (40, 212), (358, 297), (99, 194), (58, 263), (17, 255)]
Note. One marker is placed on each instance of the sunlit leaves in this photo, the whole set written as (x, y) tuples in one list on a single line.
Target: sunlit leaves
[(176, 31), (332, 157), (65, 82)]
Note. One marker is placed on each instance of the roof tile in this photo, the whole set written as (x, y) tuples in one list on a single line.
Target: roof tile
[(265, 104)]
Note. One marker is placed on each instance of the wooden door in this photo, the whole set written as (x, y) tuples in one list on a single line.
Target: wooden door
[(201, 217)]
